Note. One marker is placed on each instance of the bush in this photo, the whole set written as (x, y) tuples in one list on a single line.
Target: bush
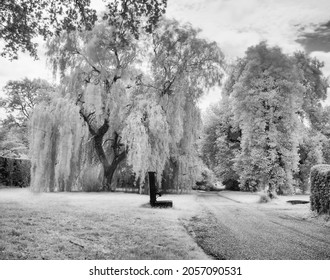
[(320, 188), (15, 172), (264, 197), (206, 181)]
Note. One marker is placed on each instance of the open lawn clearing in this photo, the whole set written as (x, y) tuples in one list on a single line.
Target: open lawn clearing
[(94, 226), (227, 225), (232, 226)]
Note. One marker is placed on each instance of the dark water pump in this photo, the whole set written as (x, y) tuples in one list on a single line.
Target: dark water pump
[(154, 194)]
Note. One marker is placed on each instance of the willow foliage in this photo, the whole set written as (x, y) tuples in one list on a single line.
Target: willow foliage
[(122, 101), (59, 150), (146, 137)]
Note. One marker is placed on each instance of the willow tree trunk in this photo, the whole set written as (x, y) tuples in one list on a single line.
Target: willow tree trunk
[(109, 167), (109, 171)]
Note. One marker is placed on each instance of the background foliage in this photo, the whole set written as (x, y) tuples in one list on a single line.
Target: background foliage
[(14, 172), (270, 128)]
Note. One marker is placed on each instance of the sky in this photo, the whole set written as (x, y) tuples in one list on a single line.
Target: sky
[(234, 24)]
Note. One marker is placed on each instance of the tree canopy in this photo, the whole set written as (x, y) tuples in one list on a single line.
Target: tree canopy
[(266, 131), (23, 21), (136, 95), (266, 97), (21, 96)]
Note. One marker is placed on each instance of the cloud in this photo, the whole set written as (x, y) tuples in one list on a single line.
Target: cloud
[(25, 66), (317, 38), (238, 24)]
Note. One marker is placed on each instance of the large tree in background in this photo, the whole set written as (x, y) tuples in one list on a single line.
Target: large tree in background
[(21, 97), (314, 145), (275, 102), (315, 85), (13, 142), (222, 134), (266, 97), (221, 142)]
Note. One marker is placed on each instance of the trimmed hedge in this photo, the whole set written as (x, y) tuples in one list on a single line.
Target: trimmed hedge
[(320, 188), (15, 172)]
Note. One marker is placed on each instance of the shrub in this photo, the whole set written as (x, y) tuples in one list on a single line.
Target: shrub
[(264, 197), (206, 180), (15, 172), (320, 188)]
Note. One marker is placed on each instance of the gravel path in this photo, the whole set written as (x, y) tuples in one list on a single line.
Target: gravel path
[(237, 230)]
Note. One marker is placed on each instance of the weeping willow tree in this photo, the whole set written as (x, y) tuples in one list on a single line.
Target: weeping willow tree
[(124, 97), (59, 147), (184, 66)]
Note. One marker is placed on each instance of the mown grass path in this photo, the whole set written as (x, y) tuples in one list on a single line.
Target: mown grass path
[(234, 227)]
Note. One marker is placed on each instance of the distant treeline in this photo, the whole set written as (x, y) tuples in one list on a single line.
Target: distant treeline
[(15, 172)]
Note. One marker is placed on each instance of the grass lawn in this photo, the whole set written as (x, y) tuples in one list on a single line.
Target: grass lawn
[(94, 226), (205, 225)]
